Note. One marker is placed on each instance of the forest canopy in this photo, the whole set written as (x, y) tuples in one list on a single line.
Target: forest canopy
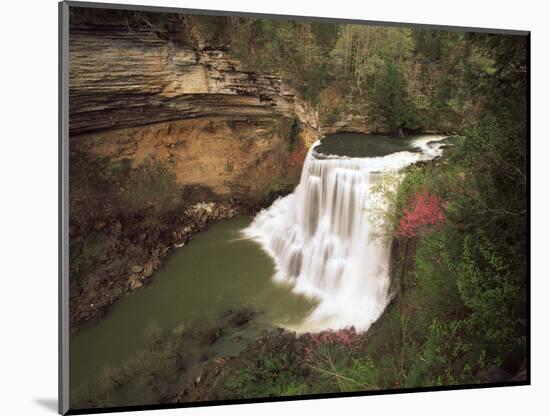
[(399, 78)]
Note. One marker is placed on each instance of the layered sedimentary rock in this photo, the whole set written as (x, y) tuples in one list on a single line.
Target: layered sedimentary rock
[(355, 124), (123, 78), (135, 95)]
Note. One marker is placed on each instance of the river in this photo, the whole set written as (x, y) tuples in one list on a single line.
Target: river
[(217, 271)]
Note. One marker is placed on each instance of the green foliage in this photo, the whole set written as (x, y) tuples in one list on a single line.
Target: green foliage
[(389, 103), (294, 134), (148, 376), (490, 291), (330, 117), (87, 253), (400, 78), (315, 78), (116, 187), (298, 51), (272, 374), (358, 374), (463, 307)]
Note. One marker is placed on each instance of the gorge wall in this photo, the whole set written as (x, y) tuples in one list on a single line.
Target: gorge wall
[(167, 133), (137, 93), (352, 124)]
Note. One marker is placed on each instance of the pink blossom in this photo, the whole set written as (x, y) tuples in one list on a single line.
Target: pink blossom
[(346, 338), (424, 212)]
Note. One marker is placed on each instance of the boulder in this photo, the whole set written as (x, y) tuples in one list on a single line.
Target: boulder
[(100, 225), (210, 336), (137, 268), (240, 316), (134, 282), (148, 271)]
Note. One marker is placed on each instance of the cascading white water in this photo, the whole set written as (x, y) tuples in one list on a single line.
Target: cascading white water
[(323, 243)]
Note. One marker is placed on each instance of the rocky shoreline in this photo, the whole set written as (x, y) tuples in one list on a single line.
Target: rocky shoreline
[(210, 382), (124, 268)]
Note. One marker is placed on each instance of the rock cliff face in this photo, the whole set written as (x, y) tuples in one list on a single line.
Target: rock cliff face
[(122, 77), (353, 123), (159, 126), (134, 95)]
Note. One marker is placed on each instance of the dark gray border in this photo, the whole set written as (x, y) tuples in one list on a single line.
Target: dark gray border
[(63, 199), (162, 9), (63, 210)]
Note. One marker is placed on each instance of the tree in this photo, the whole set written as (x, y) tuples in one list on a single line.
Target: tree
[(388, 100)]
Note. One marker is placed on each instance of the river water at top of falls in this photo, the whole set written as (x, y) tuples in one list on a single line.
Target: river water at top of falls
[(322, 240)]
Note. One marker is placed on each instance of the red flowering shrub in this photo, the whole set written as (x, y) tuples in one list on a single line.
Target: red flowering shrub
[(424, 212), (342, 339)]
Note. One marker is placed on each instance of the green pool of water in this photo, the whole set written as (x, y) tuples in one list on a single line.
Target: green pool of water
[(218, 270), (364, 145)]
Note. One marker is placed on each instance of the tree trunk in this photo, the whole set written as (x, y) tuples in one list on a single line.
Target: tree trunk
[(403, 268)]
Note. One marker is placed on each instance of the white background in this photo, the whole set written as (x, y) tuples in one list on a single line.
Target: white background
[(28, 228)]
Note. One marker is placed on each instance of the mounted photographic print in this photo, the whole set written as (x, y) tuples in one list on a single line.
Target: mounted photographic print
[(261, 208)]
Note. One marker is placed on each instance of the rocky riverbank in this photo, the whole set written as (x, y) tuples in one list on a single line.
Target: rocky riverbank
[(128, 253), (349, 123), (222, 377)]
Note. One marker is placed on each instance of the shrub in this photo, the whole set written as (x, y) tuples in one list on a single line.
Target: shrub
[(423, 214)]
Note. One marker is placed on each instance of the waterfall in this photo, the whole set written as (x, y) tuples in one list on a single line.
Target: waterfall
[(322, 241)]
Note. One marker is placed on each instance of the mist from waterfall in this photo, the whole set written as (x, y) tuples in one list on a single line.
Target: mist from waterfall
[(322, 241)]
